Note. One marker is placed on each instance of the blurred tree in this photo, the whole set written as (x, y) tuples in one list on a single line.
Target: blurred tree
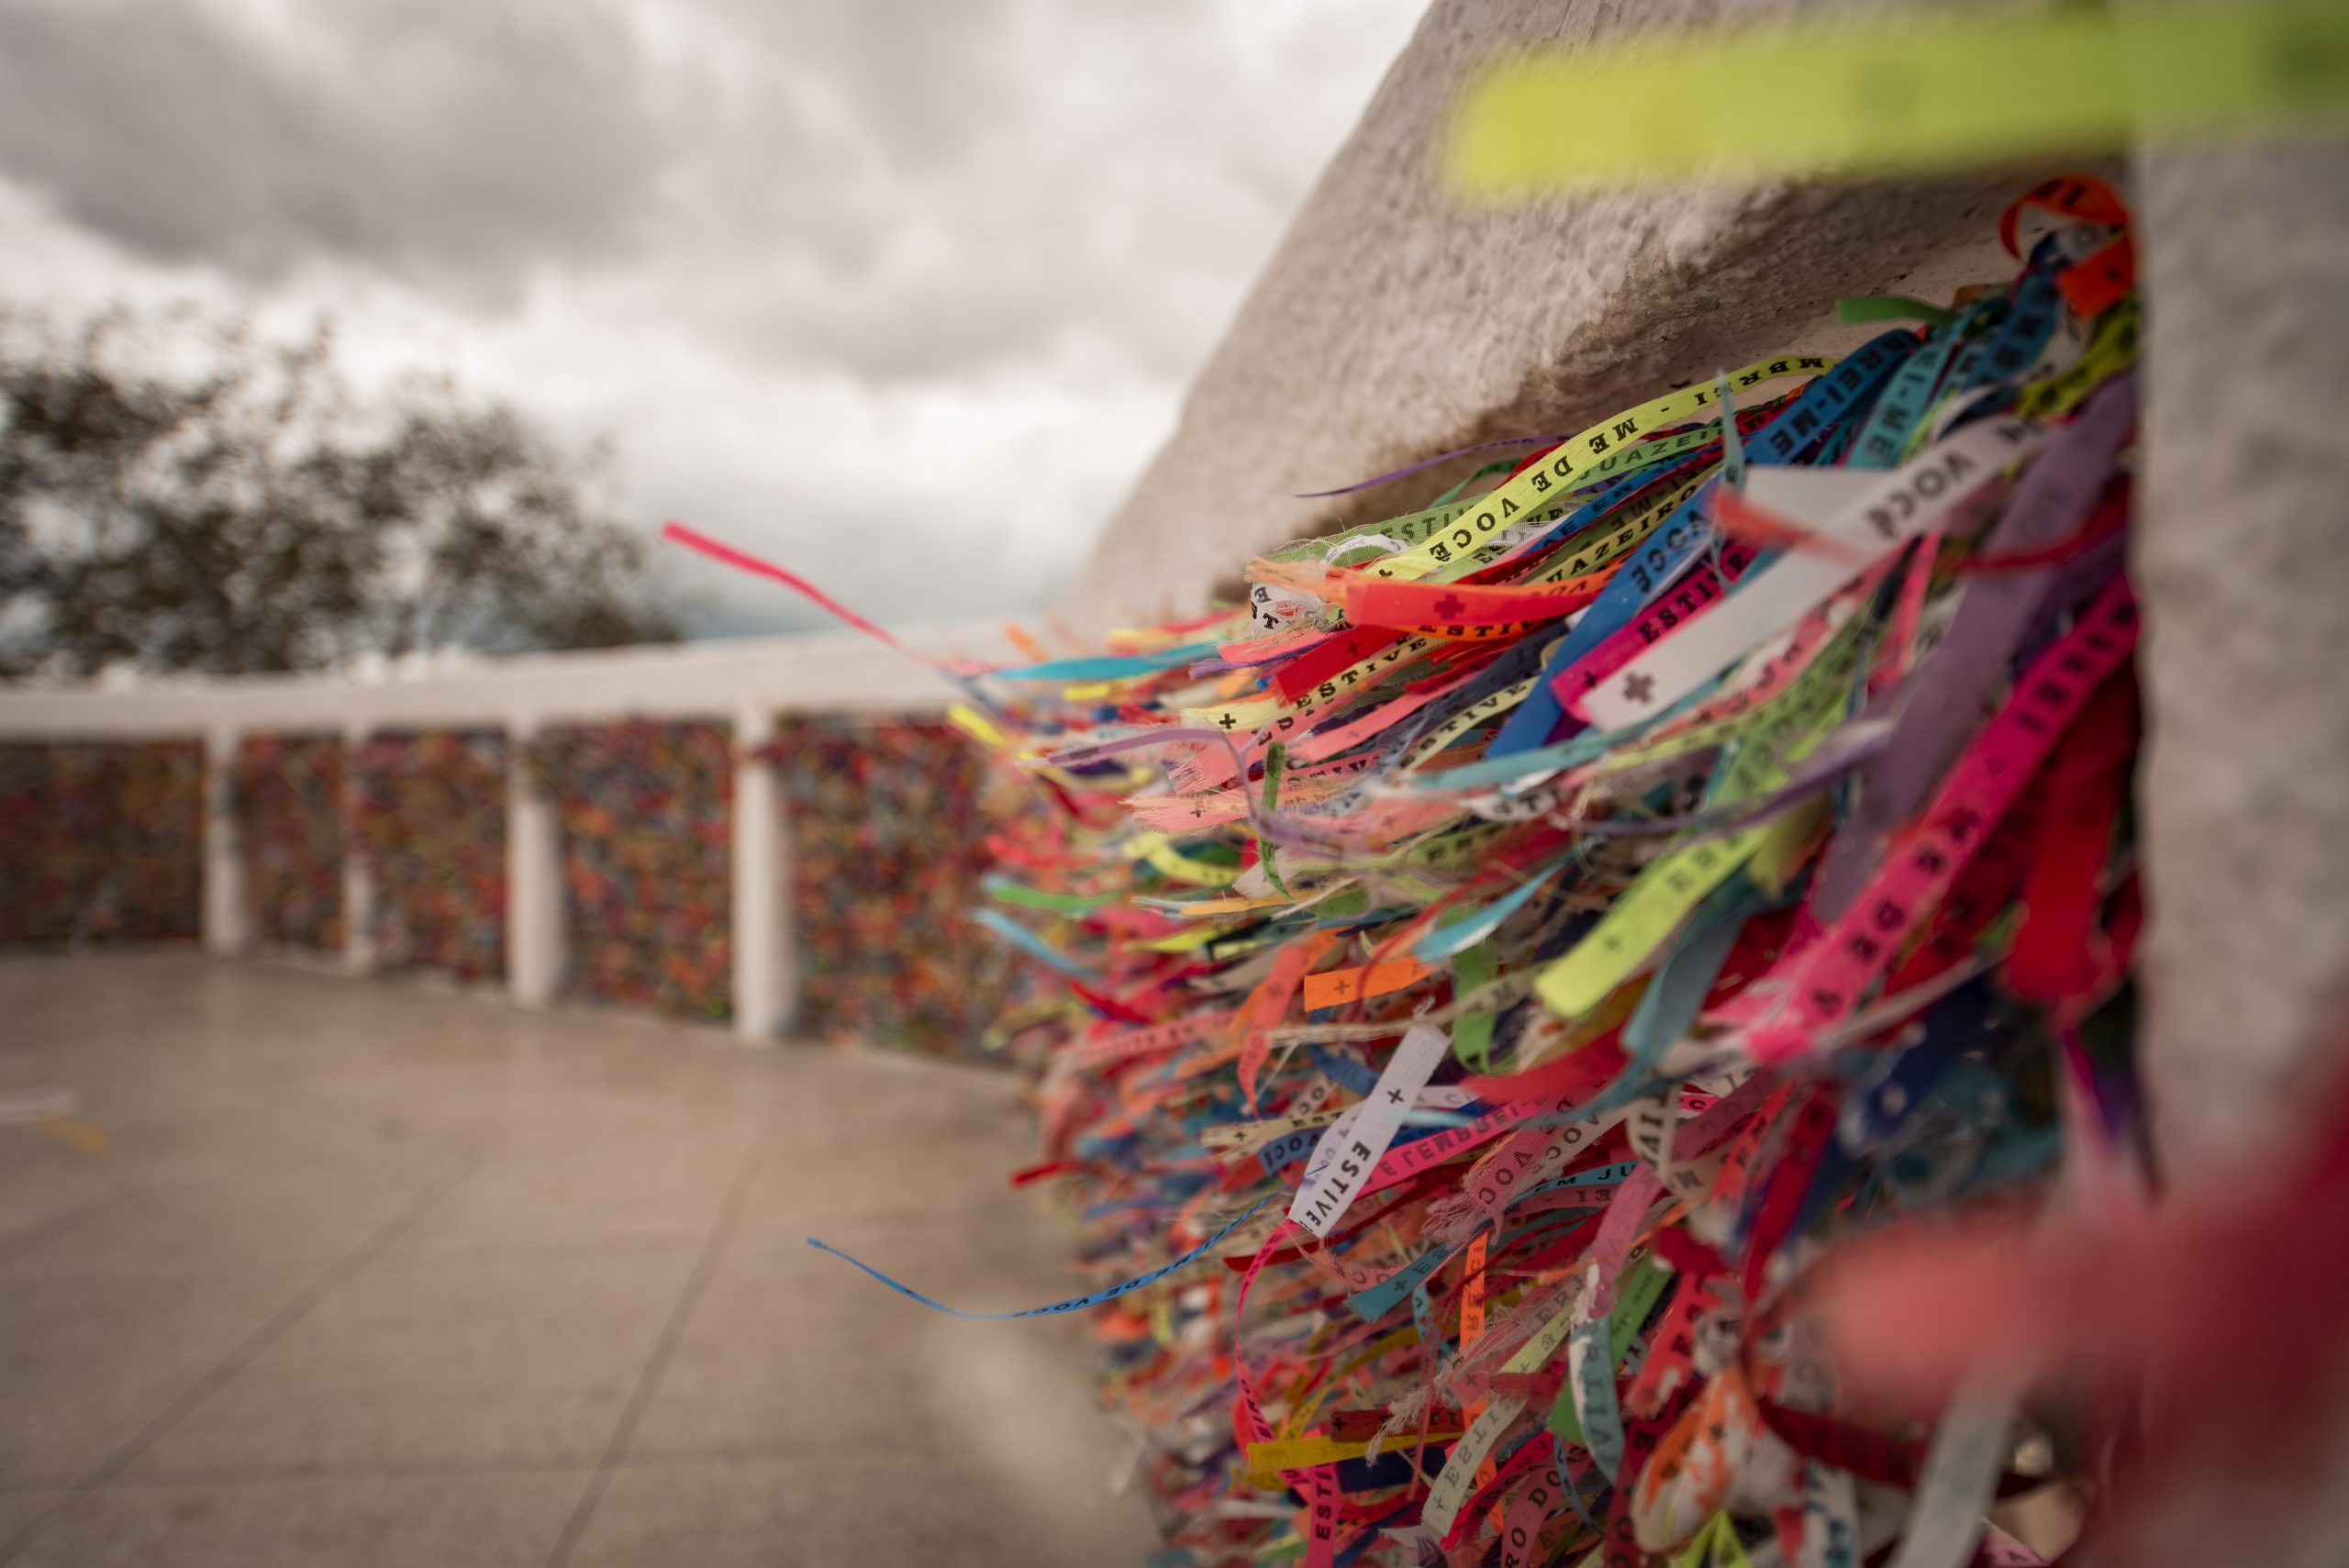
[(176, 493)]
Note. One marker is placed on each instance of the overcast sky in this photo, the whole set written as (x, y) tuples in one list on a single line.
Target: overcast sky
[(772, 249)]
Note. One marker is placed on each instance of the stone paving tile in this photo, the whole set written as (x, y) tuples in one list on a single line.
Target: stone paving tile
[(505, 1521), (43, 1181), (908, 1146), (83, 1372), (19, 1509), (860, 1513), (372, 1273), (481, 1366), (549, 1205), (146, 1234), (841, 1364)]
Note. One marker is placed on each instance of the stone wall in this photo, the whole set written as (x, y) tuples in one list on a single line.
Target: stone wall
[(1396, 320)]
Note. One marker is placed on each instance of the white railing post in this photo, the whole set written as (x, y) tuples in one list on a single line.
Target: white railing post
[(227, 925), (761, 956), (360, 955), (533, 879)]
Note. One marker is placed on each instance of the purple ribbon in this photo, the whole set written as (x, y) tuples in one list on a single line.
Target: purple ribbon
[(1941, 703), (1822, 768), (1277, 826)]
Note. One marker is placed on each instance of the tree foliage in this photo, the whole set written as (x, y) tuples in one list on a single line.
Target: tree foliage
[(178, 493)]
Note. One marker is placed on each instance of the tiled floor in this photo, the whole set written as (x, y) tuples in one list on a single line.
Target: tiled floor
[(373, 1274)]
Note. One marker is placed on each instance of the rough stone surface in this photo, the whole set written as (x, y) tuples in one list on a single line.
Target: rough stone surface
[(1396, 321), (2244, 563)]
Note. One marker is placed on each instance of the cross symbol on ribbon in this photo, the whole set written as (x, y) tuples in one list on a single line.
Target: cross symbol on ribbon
[(1396, 1096), (1449, 605), (1225, 721), (1639, 686)]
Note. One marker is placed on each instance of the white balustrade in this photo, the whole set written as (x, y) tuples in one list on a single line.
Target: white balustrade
[(746, 684)]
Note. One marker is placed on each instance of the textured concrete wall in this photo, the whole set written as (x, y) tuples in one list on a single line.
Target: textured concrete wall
[(2243, 560), (2243, 556), (1395, 322)]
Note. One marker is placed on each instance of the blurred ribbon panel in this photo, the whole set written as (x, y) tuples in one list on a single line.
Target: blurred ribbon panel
[(428, 815), (645, 811), (289, 803), (100, 841), (887, 828)]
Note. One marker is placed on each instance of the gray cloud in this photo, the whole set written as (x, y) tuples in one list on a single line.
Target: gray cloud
[(774, 249), (451, 139)]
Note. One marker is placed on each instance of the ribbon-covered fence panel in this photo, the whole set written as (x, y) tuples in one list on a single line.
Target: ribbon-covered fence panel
[(100, 841), (888, 829), (428, 813), (290, 811), (1592, 998), (645, 808)]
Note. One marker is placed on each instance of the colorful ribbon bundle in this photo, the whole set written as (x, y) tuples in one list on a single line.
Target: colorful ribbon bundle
[(100, 841), (888, 826), (645, 808), (289, 795), (428, 812), (1520, 957)]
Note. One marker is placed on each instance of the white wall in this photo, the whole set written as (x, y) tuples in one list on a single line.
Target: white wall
[(824, 672)]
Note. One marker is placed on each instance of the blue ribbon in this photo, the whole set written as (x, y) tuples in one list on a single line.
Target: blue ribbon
[(1677, 540), (1445, 940), (1079, 1303), (1028, 942), (1105, 667)]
